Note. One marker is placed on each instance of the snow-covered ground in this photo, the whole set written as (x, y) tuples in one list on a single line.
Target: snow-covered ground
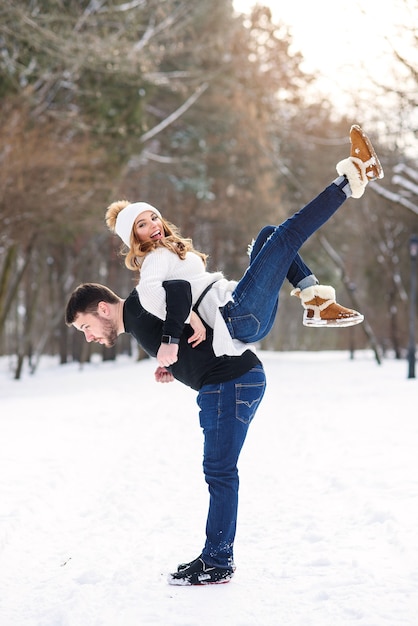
[(102, 494)]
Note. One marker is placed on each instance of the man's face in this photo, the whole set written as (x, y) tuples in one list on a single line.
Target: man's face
[(97, 327)]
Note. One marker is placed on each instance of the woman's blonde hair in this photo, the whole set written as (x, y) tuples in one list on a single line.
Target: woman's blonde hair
[(137, 250)]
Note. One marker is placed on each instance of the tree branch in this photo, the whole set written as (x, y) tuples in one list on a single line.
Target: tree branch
[(175, 115)]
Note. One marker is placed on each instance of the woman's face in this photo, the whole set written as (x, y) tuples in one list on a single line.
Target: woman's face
[(148, 227)]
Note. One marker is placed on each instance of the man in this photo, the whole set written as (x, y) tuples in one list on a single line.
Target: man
[(230, 389)]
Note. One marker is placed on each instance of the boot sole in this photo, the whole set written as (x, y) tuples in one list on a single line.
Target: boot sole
[(333, 323)]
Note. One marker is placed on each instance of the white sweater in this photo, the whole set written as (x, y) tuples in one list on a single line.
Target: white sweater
[(161, 265)]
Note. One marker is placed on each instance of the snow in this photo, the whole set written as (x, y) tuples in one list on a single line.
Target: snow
[(102, 494)]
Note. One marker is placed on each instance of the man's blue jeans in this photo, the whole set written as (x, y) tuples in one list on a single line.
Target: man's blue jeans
[(226, 410), (250, 315)]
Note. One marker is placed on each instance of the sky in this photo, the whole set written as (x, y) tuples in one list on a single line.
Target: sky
[(345, 42), (102, 495)]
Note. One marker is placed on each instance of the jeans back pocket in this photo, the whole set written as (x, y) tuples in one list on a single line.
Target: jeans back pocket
[(247, 398)]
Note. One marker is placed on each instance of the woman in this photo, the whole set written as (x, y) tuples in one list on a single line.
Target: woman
[(243, 312)]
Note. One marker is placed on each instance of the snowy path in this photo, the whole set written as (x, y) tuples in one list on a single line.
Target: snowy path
[(101, 494)]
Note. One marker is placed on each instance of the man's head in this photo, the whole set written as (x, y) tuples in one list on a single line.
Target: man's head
[(96, 311)]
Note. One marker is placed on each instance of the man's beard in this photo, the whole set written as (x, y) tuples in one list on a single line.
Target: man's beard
[(110, 333)]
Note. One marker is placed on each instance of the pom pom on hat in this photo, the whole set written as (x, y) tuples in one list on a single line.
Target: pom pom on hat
[(126, 219)]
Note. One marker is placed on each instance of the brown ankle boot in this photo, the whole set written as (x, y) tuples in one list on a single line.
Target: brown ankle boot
[(362, 165), (321, 308)]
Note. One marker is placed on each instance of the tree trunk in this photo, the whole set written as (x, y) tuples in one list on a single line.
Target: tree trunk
[(333, 254)]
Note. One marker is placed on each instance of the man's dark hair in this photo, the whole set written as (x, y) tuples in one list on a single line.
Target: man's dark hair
[(85, 299)]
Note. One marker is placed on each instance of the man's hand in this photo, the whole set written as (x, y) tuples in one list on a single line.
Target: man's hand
[(199, 334), (167, 354), (163, 376)]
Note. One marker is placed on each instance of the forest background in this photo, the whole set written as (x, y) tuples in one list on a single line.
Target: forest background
[(206, 114)]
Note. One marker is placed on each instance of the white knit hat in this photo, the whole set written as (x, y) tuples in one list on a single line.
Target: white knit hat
[(126, 219)]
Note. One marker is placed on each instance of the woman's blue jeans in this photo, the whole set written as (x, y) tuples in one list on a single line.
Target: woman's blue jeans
[(226, 411), (251, 313)]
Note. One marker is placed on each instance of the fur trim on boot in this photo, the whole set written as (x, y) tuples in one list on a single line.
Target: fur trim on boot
[(355, 171)]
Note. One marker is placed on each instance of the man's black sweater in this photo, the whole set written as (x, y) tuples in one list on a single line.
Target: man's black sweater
[(195, 366)]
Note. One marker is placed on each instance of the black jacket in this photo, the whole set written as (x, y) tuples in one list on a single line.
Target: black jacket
[(195, 366)]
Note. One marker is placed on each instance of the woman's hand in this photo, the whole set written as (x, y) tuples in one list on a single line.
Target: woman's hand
[(162, 375), (199, 334), (167, 354)]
